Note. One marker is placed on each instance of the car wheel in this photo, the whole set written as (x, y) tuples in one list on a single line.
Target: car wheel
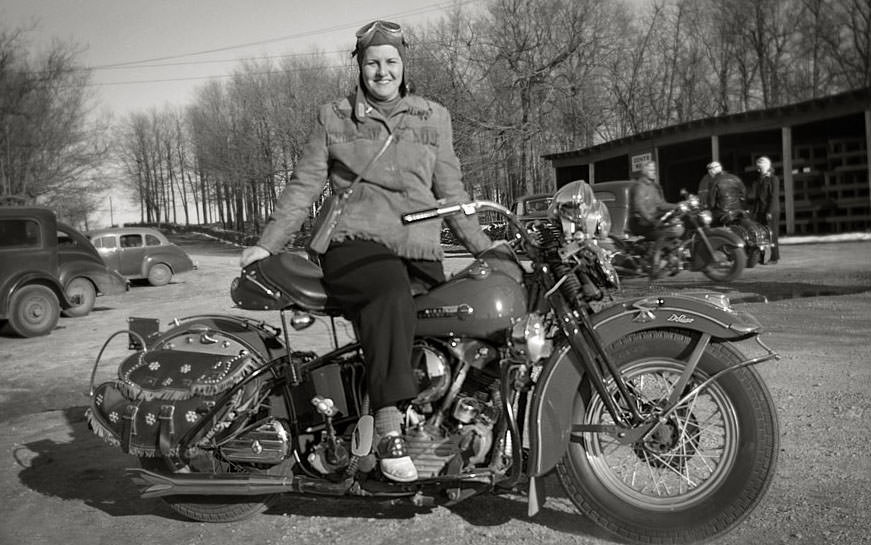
[(82, 294), (159, 275), (33, 311)]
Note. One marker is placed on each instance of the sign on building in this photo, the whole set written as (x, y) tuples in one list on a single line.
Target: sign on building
[(640, 159)]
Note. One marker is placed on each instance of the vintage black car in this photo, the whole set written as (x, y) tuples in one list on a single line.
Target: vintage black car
[(46, 268)]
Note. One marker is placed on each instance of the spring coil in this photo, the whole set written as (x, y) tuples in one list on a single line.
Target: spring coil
[(550, 241)]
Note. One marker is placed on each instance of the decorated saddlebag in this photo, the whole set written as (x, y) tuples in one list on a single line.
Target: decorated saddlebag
[(160, 395)]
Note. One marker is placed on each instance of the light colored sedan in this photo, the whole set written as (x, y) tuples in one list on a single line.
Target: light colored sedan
[(141, 253)]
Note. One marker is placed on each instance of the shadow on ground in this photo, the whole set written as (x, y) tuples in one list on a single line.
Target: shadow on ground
[(86, 469)]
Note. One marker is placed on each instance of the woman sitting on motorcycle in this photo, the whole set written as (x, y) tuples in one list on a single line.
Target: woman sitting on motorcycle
[(372, 257), (647, 204)]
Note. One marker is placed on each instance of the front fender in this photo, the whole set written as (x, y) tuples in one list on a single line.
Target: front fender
[(557, 384)]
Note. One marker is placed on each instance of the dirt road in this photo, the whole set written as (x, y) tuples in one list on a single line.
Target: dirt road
[(61, 484)]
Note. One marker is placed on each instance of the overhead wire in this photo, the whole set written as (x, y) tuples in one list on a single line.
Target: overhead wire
[(141, 63)]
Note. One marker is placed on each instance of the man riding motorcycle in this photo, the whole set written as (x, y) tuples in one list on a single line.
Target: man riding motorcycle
[(647, 204)]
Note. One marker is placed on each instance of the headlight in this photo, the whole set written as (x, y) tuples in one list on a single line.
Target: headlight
[(706, 217), (604, 227), (575, 205)]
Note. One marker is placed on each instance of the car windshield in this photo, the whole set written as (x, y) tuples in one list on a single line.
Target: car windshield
[(537, 205)]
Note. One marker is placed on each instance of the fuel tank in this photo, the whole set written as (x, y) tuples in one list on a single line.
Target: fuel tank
[(479, 301)]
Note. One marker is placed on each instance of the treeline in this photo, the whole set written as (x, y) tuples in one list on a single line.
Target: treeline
[(522, 78)]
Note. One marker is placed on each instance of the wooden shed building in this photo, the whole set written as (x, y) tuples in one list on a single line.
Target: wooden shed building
[(819, 149)]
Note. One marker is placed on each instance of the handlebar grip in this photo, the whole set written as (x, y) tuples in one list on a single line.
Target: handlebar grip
[(429, 214), (420, 215)]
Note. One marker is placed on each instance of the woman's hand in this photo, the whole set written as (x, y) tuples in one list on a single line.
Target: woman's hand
[(252, 254)]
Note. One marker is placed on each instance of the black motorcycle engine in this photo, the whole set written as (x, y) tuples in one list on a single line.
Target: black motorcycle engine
[(432, 370), (452, 418)]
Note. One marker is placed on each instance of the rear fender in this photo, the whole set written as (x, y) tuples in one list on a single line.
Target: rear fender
[(557, 385), (33, 277)]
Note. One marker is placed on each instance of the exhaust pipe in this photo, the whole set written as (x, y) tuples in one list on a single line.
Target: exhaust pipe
[(154, 485)]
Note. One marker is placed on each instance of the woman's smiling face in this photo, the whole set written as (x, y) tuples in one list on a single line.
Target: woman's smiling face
[(382, 71)]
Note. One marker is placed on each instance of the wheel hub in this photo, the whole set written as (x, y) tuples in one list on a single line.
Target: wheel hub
[(671, 443)]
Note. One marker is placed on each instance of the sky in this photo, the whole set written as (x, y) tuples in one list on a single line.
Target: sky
[(150, 53), (155, 53)]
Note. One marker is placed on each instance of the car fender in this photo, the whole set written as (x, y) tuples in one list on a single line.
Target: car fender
[(16, 283), (555, 391), (152, 260), (105, 280)]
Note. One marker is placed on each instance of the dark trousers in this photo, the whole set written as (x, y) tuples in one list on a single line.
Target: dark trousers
[(374, 288), (773, 226)]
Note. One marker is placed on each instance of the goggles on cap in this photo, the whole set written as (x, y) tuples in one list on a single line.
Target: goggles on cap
[(370, 28), (367, 32)]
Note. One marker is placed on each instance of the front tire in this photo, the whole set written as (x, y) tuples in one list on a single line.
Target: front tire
[(34, 310), (701, 471), (209, 508), (727, 262)]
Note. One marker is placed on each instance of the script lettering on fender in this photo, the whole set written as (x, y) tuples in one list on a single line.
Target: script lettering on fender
[(681, 319)]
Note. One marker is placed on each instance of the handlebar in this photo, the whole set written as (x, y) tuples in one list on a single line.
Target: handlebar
[(466, 208)]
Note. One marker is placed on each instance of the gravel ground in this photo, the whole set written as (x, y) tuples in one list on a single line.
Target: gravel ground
[(60, 484)]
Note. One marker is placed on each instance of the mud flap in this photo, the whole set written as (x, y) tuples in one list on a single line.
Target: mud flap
[(537, 496)]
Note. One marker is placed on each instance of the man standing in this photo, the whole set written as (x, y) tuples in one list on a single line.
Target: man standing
[(764, 202), (704, 193), (727, 195)]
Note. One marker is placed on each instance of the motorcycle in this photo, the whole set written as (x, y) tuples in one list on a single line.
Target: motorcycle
[(656, 424), (718, 252), (756, 236)]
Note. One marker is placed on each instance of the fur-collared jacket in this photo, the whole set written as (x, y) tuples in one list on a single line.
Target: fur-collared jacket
[(419, 170)]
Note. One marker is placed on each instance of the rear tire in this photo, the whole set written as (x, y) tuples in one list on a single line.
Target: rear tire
[(209, 508), (159, 275), (82, 289), (701, 472), (33, 311)]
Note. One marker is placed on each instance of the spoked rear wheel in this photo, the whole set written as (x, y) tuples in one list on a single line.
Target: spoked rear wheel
[(702, 469), (209, 508)]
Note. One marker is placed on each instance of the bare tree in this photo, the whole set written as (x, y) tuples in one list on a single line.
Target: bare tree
[(522, 78), (849, 44), (49, 149)]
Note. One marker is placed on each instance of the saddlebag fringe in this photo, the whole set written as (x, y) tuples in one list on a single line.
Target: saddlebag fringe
[(153, 427), (178, 375), (160, 395)]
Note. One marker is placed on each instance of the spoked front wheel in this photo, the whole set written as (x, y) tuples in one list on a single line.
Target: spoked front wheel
[(727, 261), (700, 471)]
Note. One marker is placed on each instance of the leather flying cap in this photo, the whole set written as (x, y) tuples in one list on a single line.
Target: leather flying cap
[(380, 33)]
